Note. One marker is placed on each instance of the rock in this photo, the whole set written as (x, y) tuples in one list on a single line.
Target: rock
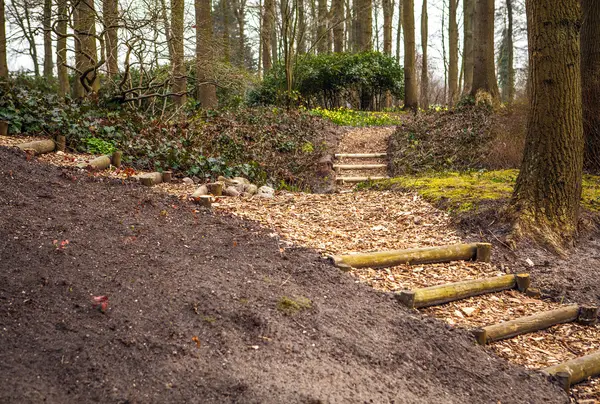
[(187, 180), (266, 192), (529, 262), (250, 189), (231, 191), (241, 180), (202, 190)]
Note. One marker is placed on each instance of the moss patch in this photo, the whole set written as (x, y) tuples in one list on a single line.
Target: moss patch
[(291, 306), (465, 191)]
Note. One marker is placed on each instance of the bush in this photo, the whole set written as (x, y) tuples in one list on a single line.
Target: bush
[(334, 80)]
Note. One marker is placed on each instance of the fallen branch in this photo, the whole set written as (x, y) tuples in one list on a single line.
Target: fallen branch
[(38, 146)]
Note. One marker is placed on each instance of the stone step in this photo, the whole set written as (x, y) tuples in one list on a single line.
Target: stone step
[(360, 155), (360, 179), (359, 166)]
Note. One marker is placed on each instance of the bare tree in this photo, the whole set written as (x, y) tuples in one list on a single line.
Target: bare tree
[(410, 79), (424, 67), (468, 9), (61, 48), (177, 62), (3, 64), (484, 71), (207, 94), (453, 50)]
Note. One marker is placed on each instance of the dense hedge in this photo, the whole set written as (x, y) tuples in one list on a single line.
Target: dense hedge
[(334, 80)]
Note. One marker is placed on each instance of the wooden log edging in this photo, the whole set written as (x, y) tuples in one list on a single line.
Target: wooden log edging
[(524, 325), (450, 292), (38, 146), (576, 370), (429, 255)]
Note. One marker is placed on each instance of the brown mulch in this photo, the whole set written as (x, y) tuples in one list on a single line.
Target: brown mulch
[(195, 310)]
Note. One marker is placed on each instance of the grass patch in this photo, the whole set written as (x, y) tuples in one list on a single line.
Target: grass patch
[(291, 306), (463, 192), (349, 117)]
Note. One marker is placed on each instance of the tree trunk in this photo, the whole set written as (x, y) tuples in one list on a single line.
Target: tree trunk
[(226, 23), (167, 26), (388, 15), (590, 73), (86, 53), (3, 64), (268, 14), (364, 22), (410, 79), (322, 26), (548, 189), (468, 8), (47, 25), (240, 16), (453, 62), (61, 49), (301, 30), (110, 9), (510, 53), (424, 67), (399, 31), (484, 71), (207, 93), (337, 20), (177, 62)]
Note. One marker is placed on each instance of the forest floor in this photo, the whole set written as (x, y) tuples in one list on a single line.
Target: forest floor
[(212, 307)]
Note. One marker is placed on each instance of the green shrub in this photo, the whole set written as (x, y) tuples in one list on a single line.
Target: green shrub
[(99, 146), (333, 80)]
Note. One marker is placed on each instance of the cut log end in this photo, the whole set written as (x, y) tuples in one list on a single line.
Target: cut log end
[(116, 159), (484, 252), (588, 315), (204, 201), (61, 143), (480, 336), (563, 379), (167, 176), (523, 282), (407, 298)]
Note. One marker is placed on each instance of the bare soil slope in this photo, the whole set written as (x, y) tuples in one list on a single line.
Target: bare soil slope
[(200, 311)]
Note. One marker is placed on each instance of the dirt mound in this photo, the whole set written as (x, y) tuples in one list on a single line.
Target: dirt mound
[(204, 308)]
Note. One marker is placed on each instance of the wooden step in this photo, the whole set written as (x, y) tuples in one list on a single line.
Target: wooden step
[(359, 166), (576, 370), (360, 155), (360, 179), (440, 294), (525, 325)]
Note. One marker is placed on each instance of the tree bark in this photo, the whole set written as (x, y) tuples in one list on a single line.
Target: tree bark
[(590, 73), (453, 49), (410, 79), (424, 67), (468, 8), (226, 23), (548, 189), (207, 93), (268, 14), (337, 20), (61, 49), (484, 71), (3, 64), (86, 55), (322, 26), (110, 9), (388, 15), (301, 30), (239, 10), (177, 62), (364, 22), (47, 25), (399, 31), (510, 96)]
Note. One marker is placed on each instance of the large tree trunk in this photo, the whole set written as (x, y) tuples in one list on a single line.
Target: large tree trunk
[(61, 49), (110, 9), (484, 71), (388, 15), (468, 8), (226, 24), (301, 30), (207, 92), (47, 25), (510, 52), (167, 27), (548, 189), (239, 9), (322, 26), (268, 14), (177, 62), (424, 67), (364, 22), (3, 64), (453, 62), (590, 73), (410, 78), (337, 20)]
